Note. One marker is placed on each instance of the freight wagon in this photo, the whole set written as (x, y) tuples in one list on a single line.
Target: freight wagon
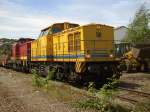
[(21, 53)]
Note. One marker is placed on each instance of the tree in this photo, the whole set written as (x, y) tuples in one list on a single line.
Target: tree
[(5, 48), (139, 29)]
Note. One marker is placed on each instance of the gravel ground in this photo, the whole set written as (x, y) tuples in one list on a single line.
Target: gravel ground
[(18, 95), (136, 81)]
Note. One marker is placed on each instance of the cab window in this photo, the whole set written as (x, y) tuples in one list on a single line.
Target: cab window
[(44, 32), (70, 43), (77, 43), (98, 34)]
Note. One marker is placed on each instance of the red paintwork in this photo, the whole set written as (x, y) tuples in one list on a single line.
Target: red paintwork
[(25, 50), (15, 51), (20, 48)]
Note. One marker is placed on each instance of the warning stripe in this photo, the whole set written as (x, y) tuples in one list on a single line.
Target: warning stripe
[(84, 67), (80, 67)]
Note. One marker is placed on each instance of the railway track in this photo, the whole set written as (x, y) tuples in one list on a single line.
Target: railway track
[(127, 99), (131, 91), (143, 94)]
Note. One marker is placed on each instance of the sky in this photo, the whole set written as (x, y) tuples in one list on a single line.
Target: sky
[(25, 18)]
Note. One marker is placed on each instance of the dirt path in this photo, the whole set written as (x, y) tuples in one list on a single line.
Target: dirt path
[(18, 95)]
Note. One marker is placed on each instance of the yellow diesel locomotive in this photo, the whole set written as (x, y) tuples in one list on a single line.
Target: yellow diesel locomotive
[(76, 52)]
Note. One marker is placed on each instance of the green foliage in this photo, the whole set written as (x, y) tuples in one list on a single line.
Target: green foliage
[(111, 85), (5, 48), (51, 75), (42, 82), (107, 92), (91, 88), (36, 80), (138, 29), (102, 100), (92, 104), (100, 105)]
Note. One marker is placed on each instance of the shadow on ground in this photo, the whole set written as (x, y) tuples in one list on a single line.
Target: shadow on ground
[(128, 85)]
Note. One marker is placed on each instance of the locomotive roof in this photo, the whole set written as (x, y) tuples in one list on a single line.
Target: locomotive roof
[(58, 23), (98, 24), (24, 39), (82, 26)]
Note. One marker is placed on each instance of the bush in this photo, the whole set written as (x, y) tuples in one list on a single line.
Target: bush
[(42, 82), (51, 75), (36, 80), (102, 100), (91, 89)]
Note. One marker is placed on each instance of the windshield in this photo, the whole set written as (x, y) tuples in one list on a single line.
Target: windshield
[(49, 31), (44, 32)]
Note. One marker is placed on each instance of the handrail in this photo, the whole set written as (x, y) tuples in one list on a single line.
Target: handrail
[(89, 47)]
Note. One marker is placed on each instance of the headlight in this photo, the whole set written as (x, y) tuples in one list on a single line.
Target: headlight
[(111, 55), (88, 56)]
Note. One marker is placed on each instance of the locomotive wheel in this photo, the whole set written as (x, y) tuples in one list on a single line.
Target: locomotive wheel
[(129, 68), (144, 67), (74, 78), (60, 74), (116, 72)]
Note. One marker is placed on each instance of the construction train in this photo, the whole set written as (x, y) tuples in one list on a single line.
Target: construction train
[(81, 53), (137, 59)]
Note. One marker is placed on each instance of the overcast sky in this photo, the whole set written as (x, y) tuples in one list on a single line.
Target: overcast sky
[(25, 18)]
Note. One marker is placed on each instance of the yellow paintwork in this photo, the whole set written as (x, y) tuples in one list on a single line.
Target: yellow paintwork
[(41, 47), (34, 50), (80, 67), (90, 44), (130, 59), (54, 47)]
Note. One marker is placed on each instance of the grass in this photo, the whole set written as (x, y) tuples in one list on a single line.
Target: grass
[(99, 100), (57, 91), (103, 102), (40, 81), (100, 106)]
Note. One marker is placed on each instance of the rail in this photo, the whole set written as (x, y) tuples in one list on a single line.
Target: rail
[(127, 99), (130, 100), (143, 94)]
